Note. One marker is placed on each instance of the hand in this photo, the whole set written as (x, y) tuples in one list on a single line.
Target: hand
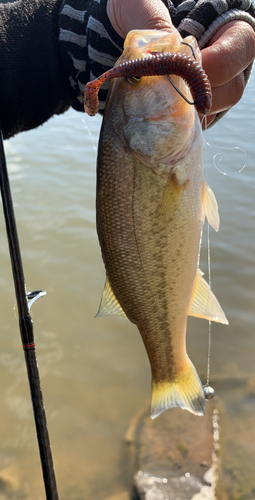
[(127, 15), (226, 56)]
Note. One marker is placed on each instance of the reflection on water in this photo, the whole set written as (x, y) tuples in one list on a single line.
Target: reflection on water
[(95, 373)]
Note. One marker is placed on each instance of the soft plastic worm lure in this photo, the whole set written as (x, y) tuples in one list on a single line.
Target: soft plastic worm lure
[(156, 64)]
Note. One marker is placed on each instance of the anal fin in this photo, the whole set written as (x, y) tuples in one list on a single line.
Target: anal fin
[(204, 303), (109, 306)]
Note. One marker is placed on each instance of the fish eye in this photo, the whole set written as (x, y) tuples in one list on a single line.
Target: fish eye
[(132, 80)]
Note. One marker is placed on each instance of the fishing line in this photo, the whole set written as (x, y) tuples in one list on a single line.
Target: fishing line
[(218, 157), (208, 391), (210, 323), (91, 137)]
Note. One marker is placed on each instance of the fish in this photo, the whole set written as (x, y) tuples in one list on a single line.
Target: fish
[(151, 204)]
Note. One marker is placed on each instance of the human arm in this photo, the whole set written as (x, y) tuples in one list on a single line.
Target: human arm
[(33, 85)]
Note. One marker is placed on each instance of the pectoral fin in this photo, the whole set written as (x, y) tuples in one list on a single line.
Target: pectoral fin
[(109, 306), (210, 207), (204, 303)]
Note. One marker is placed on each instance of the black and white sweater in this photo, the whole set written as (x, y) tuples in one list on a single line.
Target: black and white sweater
[(49, 50), (87, 57)]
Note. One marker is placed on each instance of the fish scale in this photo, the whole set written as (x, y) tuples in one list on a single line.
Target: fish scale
[(133, 244)]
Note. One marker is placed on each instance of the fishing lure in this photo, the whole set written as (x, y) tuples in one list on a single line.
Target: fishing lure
[(156, 64)]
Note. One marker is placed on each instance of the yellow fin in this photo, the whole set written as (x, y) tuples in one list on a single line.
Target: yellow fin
[(185, 391), (210, 207), (109, 306), (204, 303)]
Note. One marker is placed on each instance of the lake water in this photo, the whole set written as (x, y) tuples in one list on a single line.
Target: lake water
[(95, 373)]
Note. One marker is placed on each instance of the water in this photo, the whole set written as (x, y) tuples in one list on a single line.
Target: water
[(94, 372)]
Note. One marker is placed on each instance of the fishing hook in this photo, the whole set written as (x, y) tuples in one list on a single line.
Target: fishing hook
[(191, 48), (172, 83), (179, 92)]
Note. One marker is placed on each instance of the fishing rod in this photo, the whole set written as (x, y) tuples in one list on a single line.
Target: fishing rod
[(26, 331)]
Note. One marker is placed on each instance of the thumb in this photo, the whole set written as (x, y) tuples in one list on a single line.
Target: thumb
[(127, 15)]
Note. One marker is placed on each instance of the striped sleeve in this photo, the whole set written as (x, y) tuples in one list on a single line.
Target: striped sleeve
[(202, 18), (89, 45)]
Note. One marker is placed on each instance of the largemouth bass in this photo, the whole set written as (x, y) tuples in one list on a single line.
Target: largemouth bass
[(151, 205)]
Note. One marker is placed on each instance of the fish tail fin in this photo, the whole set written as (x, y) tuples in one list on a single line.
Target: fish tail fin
[(184, 390)]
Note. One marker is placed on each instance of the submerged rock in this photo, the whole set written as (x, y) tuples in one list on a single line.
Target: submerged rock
[(176, 456)]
